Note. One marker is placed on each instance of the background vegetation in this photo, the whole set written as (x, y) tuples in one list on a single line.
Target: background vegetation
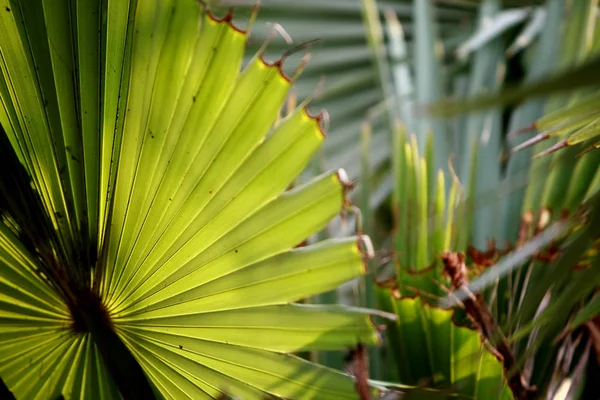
[(466, 176)]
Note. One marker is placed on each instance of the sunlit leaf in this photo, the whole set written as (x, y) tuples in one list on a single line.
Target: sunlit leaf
[(154, 251)]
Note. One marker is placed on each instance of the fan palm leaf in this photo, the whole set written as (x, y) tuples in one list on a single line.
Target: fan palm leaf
[(147, 240)]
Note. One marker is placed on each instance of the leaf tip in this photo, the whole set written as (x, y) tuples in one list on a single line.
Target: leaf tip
[(322, 120), (552, 149), (227, 19), (366, 246)]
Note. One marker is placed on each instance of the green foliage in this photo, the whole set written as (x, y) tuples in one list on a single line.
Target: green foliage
[(443, 354), (541, 212), (425, 222), (150, 224), (525, 291), (496, 55), (147, 239)]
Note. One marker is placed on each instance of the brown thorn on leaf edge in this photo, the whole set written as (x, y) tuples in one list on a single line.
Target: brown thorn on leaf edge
[(253, 15), (477, 310), (595, 146), (291, 51), (560, 145), (346, 187), (488, 257), (299, 47), (524, 228), (357, 365), (518, 132), (324, 120)]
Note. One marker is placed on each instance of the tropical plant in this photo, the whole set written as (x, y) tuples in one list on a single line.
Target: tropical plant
[(528, 292), (147, 239), (343, 76), (487, 197), (163, 210)]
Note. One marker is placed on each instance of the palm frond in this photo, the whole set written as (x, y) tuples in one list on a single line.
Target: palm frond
[(153, 253)]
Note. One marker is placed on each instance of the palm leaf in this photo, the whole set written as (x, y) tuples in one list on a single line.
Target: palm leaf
[(153, 253), (442, 354), (516, 289), (350, 58)]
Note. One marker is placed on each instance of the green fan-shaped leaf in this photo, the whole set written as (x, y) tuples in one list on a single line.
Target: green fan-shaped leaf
[(350, 64), (147, 239)]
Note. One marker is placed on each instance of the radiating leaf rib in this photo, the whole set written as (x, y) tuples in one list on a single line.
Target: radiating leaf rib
[(94, 372), (171, 384), (50, 380), (236, 133), (37, 145), (280, 374), (342, 51), (19, 302), (62, 67), (106, 388), (297, 272), (157, 138), (18, 348), (264, 175), (74, 385), (116, 56), (22, 282), (165, 389), (149, 148), (298, 213), (208, 85), (14, 333), (89, 40), (282, 328), (151, 22), (61, 370), (37, 361), (185, 367), (171, 99)]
